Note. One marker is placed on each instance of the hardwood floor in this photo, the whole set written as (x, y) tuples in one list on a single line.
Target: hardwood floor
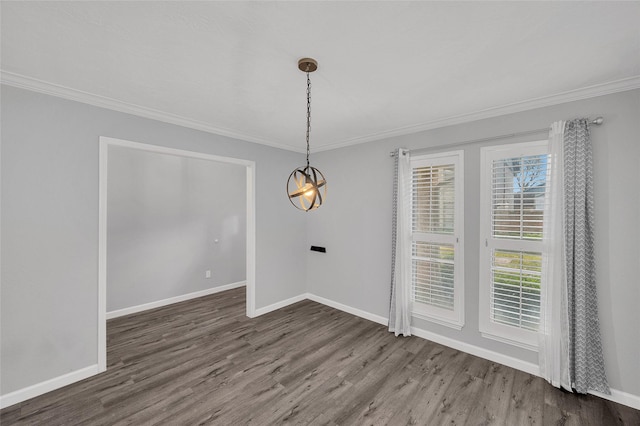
[(204, 362)]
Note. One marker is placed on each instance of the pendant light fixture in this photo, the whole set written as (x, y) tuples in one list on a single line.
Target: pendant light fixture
[(306, 186)]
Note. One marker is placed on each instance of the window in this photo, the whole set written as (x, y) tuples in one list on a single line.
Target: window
[(437, 263), (513, 185)]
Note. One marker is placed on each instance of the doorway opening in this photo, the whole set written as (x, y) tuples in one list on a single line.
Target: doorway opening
[(181, 157)]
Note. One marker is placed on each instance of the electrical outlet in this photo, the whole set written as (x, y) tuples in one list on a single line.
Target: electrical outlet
[(207, 273)]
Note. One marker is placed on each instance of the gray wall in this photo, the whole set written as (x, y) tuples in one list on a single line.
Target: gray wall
[(355, 223), (170, 219), (49, 244)]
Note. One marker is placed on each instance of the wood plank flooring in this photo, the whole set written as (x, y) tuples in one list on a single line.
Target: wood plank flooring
[(204, 362)]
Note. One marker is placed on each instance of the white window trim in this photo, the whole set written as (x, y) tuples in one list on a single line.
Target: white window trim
[(455, 318), (503, 333)]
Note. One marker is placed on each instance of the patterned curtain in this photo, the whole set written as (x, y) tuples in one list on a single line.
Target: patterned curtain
[(570, 349), (399, 306), (586, 363)]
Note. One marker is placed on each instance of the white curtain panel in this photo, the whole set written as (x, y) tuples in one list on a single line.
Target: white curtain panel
[(553, 350), (400, 306)]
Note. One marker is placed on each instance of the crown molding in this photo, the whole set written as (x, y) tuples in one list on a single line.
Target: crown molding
[(35, 85), (622, 85), (23, 82)]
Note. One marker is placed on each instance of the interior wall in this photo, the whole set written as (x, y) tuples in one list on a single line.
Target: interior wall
[(171, 219), (355, 223), (49, 240)]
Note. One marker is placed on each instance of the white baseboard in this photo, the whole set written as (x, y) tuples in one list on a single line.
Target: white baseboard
[(446, 341), (620, 397), (279, 305), (47, 386), (171, 300), (617, 396), (509, 361), (354, 311), (15, 397)]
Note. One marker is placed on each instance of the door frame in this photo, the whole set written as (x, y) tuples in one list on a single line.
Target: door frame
[(105, 143)]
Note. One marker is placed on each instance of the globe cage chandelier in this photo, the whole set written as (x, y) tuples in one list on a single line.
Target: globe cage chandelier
[(306, 186)]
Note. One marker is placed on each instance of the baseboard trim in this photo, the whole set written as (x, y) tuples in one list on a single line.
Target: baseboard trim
[(620, 397), (617, 396), (18, 396), (488, 354), (279, 305), (171, 300), (32, 391), (346, 308), (434, 337)]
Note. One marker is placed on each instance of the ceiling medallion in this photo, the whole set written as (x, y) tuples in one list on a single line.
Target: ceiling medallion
[(306, 186)]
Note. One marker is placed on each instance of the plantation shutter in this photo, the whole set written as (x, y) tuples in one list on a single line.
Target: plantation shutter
[(433, 213), (517, 195), (436, 195), (517, 208)]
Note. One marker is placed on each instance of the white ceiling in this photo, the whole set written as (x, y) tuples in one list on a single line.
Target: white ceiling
[(385, 68)]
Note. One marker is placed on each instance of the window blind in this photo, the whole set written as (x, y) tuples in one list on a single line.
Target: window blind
[(517, 210), (434, 199), (433, 274), (517, 197), (515, 299), (434, 243)]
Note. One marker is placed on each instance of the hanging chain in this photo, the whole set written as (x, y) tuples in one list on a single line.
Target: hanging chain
[(308, 112)]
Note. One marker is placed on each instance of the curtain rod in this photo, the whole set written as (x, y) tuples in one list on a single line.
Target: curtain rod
[(597, 121)]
